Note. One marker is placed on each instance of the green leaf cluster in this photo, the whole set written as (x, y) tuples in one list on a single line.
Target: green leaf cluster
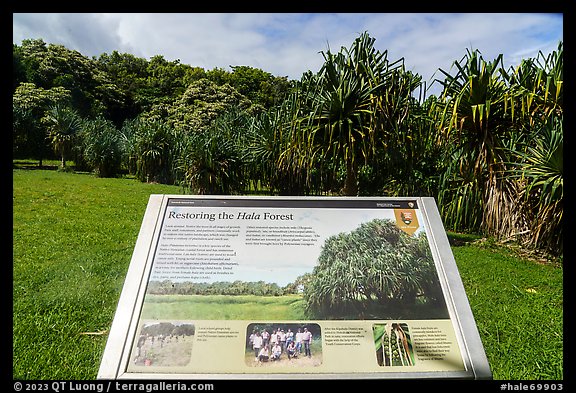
[(489, 148), (377, 271)]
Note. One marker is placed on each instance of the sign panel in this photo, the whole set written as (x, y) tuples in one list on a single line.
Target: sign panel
[(293, 287)]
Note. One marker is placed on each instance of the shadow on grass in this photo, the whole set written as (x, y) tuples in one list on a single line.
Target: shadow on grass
[(30, 165), (461, 239)]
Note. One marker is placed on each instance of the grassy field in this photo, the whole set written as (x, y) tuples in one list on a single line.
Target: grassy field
[(518, 307), (289, 307), (73, 237)]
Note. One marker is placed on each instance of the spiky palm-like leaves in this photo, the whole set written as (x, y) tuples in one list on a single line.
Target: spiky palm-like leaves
[(152, 146), (539, 167), (537, 158), (347, 92), (101, 147), (63, 125), (497, 124), (212, 161), (268, 143), (374, 269), (475, 125), (537, 87), (407, 160), (302, 156)]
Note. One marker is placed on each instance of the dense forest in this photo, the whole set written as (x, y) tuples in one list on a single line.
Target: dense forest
[(489, 148)]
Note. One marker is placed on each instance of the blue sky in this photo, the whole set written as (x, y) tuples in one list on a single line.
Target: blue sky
[(289, 44)]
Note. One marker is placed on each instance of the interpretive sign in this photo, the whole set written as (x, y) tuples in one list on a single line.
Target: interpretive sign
[(293, 287)]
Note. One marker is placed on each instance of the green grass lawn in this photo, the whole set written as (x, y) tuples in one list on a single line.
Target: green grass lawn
[(518, 307), (73, 237), (219, 307), (74, 234)]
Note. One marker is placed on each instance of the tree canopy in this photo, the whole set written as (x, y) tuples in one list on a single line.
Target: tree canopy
[(489, 147), (376, 271)]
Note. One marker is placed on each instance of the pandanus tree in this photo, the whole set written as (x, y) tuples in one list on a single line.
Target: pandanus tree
[(300, 157), (540, 169), (408, 154), (503, 170), (474, 122), (538, 157), (101, 147), (213, 160), (373, 271), (63, 123), (347, 91), (152, 146), (537, 86), (267, 142)]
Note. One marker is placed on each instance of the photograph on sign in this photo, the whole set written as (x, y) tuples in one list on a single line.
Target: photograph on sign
[(262, 286)]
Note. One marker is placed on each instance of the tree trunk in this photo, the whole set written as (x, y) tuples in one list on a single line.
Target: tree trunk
[(351, 182), (63, 159)]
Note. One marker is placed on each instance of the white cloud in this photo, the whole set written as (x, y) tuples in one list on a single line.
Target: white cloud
[(288, 44)]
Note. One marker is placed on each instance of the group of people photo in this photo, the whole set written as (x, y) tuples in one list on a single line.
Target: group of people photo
[(270, 344)]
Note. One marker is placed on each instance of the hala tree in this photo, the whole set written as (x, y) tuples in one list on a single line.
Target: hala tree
[(101, 146), (375, 271), (474, 123), (64, 124), (212, 161), (540, 169), (357, 101), (537, 86), (152, 147), (348, 85), (503, 130)]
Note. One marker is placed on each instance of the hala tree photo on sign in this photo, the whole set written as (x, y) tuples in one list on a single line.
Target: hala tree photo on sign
[(377, 271)]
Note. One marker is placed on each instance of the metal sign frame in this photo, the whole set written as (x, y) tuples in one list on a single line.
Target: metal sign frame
[(119, 351)]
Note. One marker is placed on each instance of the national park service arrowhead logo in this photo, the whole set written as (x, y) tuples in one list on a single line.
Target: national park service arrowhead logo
[(406, 220), (406, 217)]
